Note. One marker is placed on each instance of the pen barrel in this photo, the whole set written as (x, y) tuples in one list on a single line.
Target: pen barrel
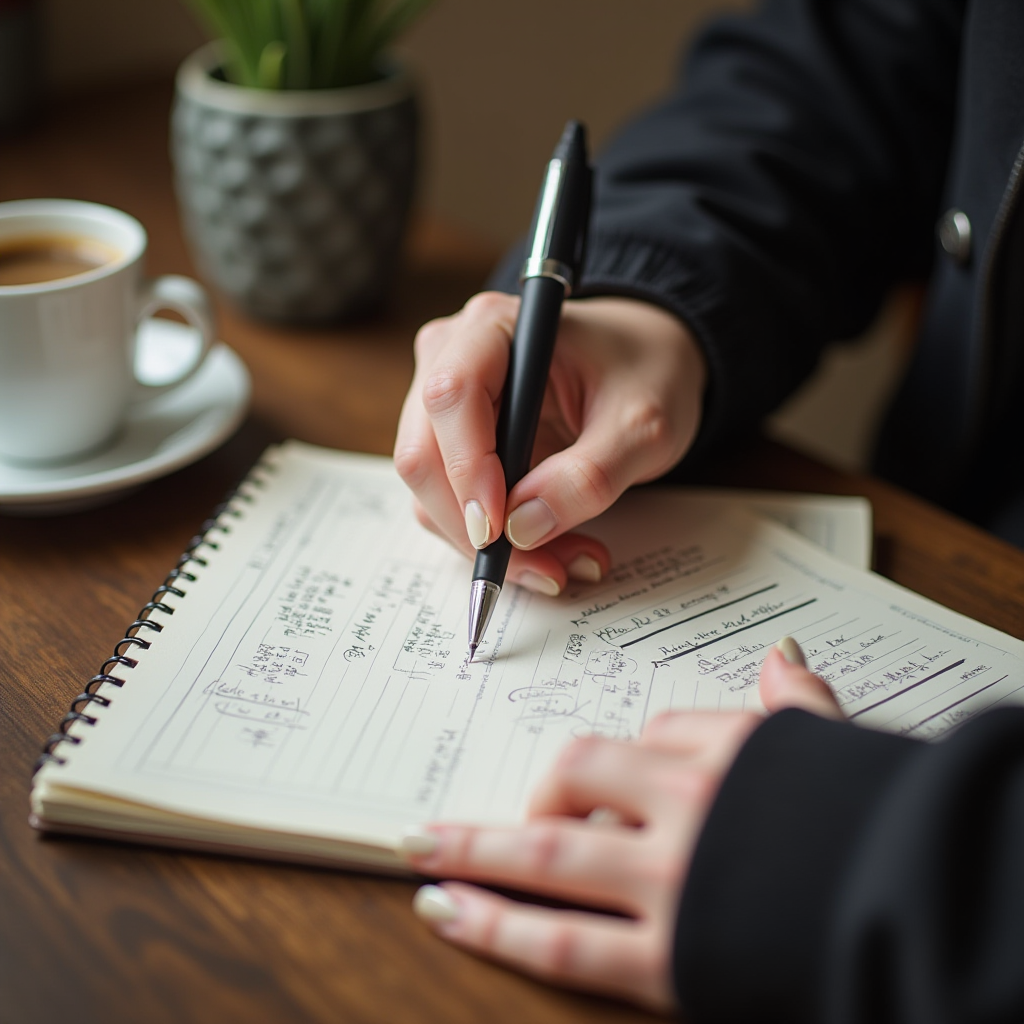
[(525, 384), (492, 561), (527, 377)]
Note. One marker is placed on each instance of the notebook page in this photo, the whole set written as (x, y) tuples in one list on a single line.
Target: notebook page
[(314, 680), (840, 524)]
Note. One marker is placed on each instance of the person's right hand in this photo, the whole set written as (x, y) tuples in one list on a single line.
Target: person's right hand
[(622, 406)]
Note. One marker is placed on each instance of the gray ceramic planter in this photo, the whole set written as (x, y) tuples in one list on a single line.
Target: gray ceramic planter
[(294, 202)]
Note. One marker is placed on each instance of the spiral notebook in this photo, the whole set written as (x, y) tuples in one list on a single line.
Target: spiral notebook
[(298, 687)]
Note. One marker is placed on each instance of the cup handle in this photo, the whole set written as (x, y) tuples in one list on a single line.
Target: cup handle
[(184, 296)]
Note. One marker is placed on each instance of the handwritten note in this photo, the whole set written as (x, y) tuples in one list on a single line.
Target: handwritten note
[(315, 680)]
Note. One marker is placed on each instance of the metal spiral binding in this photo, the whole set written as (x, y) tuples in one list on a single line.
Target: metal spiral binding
[(179, 573)]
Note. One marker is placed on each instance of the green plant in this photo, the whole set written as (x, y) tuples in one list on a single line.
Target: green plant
[(305, 44)]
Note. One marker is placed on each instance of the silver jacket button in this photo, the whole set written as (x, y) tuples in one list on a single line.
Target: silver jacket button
[(955, 235)]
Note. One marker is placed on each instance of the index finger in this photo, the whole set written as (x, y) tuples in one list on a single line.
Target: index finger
[(460, 375)]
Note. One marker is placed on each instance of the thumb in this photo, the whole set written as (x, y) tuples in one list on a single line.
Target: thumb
[(786, 682)]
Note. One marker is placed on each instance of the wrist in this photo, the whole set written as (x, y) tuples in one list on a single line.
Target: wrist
[(662, 327)]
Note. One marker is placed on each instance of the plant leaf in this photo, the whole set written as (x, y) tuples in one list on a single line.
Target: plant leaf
[(271, 70), (296, 32), (304, 44), (333, 18)]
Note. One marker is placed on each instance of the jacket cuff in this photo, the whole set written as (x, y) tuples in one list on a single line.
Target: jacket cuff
[(767, 871)]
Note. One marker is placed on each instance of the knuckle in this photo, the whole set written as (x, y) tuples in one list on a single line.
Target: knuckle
[(649, 423), (543, 848), (459, 467), (590, 484), (412, 464), (489, 305), (443, 389), (429, 337), (462, 846), (559, 952), (489, 934)]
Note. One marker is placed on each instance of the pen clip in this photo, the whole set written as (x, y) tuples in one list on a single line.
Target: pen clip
[(558, 234)]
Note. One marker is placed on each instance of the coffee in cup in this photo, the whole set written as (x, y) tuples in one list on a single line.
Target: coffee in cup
[(72, 296), (31, 259)]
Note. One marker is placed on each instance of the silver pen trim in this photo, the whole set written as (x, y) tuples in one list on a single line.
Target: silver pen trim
[(483, 596), (555, 269)]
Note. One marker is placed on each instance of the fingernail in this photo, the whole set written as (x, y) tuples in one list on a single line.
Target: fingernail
[(529, 523), (478, 526), (791, 651), (585, 569), (417, 842), (604, 816), (432, 903), (539, 584)]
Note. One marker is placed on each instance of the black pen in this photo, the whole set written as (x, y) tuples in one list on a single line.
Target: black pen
[(557, 241)]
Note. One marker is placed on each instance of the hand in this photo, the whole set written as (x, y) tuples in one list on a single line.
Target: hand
[(658, 792), (622, 406)]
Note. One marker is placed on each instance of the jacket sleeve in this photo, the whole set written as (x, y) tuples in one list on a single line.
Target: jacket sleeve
[(791, 178), (845, 876)]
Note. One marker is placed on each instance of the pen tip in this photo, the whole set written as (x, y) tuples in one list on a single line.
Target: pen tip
[(472, 651)]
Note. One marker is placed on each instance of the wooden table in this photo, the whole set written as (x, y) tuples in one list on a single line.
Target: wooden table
[(91, 931)]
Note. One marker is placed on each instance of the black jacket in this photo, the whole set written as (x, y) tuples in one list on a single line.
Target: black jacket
[(851, 877), (796, 174)]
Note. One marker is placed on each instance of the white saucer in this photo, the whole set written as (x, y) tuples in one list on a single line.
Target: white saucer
[(158, 437)]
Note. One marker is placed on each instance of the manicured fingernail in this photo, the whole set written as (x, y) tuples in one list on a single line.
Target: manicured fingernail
[(585, 569), (530, 522), (432, 903), (417, 842), (791, 651), (478, 526), (604, 816), (539, 584)]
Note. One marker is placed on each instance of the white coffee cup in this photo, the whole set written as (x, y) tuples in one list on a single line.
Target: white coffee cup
[(67, 346)]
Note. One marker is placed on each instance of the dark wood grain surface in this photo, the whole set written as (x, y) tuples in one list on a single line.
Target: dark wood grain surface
[(93, 931)]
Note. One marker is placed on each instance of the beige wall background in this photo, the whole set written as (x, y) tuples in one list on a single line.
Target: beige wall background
[(498, 80)]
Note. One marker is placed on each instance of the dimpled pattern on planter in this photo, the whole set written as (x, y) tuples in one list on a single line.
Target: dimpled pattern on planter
[(297, 218)]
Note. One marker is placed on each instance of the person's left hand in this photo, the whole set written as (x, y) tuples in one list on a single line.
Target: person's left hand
[(646, 803)]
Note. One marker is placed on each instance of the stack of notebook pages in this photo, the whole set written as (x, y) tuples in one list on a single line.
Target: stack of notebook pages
[(303, 690)]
